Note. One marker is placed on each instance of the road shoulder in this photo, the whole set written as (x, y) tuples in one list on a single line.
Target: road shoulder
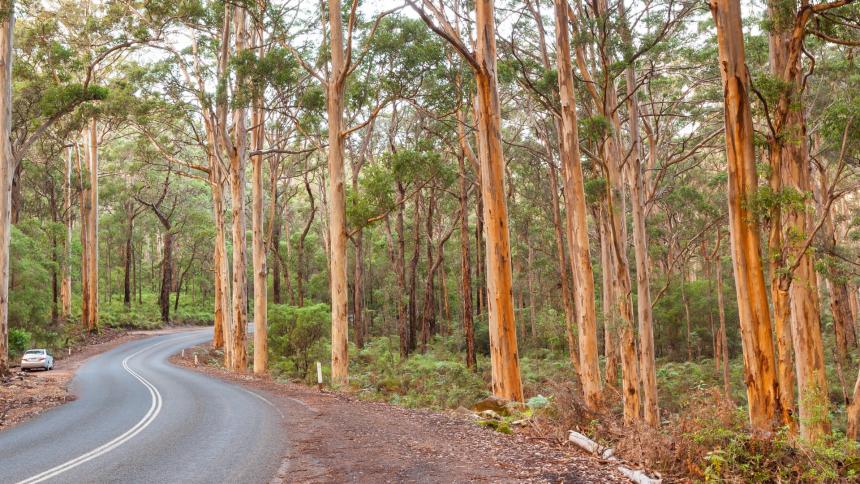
[(333, 437)]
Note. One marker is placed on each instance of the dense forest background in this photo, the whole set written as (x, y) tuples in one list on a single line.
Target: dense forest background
[(175, 163)]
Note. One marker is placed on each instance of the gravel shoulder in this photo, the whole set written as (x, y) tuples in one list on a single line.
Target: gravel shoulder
[(334, 437)]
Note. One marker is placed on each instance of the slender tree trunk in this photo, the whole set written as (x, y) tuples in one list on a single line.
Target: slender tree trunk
[(66, 286), (221, 271), (779, 284), (336, 200), (687, 320), (610, 348), (276, 253), (238, 162), (413, 275), (7, 168), (258, 242), (577, 225), (647, 362), (301, 264), (400, 270), (853, 412), (358, 290), (721, 307), (753, 310), (504, 356), (127, 255), (797, 223), (530, 280), (466, 270), (563, 267), (166, 274), (92, 246)]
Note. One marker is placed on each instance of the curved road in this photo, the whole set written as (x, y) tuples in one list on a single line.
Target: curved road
[(140, 419)]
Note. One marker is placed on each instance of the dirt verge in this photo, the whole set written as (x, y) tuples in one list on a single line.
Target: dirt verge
[(333, 437)]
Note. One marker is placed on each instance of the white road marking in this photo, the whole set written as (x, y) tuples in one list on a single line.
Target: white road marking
[(151, 414), (312, 409), (283, 417)]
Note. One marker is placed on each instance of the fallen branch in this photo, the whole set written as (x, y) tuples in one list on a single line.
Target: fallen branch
[(606, 453)]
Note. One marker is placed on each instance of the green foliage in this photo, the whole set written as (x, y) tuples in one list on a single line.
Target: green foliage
[(765, 199), (595, 128), (436, 379), (146, 314), (29, 304), (297, 337), (19, 341), (738, 455)]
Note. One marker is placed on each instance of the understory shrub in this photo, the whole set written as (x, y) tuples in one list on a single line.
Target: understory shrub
[(436, 379), (298, 336)]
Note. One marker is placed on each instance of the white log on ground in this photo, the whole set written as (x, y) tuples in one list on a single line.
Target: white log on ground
[(635, 475)]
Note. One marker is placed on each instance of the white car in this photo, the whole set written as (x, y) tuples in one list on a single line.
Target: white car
[(37, 359)]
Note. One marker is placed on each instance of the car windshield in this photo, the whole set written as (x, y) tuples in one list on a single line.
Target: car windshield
[(35, 352)]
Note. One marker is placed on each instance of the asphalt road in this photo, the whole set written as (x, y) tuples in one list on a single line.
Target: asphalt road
[(138, 418)]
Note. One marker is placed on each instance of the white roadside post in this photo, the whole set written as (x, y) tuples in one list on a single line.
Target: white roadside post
[(319, 376)]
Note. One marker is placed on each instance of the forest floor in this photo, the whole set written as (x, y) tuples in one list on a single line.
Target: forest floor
[(334, 437), (23, 395)]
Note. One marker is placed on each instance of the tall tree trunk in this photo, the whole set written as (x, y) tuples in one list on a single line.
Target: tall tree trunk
[(530, 281), (795, 176), (336, 199), (221, 270), (127, 255), (577, 225), (276, 253), (66, 286), (753, 311), (238, 162), (647, 362), (301, 263), (466, 270), (400, 270), (413, 275), (779, 284), (92, 247), (428, 312), (7, 168), (687, 319), (358, 290), (721, 307), (166, 274), (564, 276), (610, 347), (504, 356), (258, 242), (853, 412)]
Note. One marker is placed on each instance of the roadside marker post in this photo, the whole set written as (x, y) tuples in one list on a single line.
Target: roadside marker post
[(196, 362), (183, 352), (319, 376)]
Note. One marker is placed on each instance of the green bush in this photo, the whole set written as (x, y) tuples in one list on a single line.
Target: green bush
[(147, 314), (19, 341), (29, 304), (298, 337), (436, 379)]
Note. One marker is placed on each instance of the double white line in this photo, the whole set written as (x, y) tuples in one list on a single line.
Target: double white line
[(154, 410)]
